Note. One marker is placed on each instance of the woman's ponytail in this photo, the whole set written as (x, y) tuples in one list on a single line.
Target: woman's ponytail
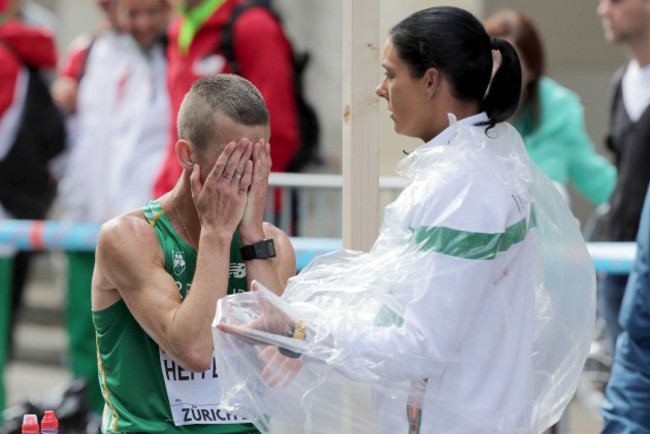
[(454, 41), (504, 91)]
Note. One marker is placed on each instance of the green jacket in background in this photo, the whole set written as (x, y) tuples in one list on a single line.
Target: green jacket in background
[(560, 146)]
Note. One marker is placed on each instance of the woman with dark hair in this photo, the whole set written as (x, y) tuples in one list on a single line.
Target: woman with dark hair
[(458, 319), (441, 51), (551, 117)]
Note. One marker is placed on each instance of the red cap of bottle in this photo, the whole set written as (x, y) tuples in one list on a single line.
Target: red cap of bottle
[(30, 424), (49, 420)]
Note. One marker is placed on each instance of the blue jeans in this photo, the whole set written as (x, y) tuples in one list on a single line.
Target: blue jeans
[(626, 407), (610, 293)]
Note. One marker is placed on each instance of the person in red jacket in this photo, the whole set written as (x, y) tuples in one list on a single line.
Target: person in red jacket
[(20, 45), (26, 187), (264, 57)]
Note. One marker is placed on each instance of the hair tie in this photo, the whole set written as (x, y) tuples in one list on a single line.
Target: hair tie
[(495, 43)]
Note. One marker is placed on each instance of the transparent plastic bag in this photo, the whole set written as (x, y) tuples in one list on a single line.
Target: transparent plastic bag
[(473, 312)]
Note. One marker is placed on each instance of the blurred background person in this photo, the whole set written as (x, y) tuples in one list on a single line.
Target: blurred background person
[(117, 91), (36, 14), (625, 408), (264, 57), (550, 117), (32, 133), (626, 22), (72, 65)]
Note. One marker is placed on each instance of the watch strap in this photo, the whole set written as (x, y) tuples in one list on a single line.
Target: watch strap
[(264, 249)]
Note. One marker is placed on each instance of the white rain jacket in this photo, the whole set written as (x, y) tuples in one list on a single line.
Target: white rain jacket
[(472, 313), (121, 130)]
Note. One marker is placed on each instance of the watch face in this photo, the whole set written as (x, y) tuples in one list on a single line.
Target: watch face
[(264, 249), (271, 248)]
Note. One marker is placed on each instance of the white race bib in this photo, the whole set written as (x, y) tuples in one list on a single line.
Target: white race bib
[(194, 397)]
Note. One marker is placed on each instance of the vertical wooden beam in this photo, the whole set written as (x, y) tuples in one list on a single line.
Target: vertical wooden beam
[(361, 74), (360, 149)]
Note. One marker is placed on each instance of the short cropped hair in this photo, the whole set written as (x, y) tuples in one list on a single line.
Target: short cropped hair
[(216, 95)]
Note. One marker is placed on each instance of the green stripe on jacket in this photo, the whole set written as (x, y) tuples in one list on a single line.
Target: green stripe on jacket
[(471, 245)]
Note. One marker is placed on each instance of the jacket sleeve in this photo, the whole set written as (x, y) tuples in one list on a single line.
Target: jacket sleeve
[(9, 70), (447, 280), (635, 314), (562, 132), (434, 323), (33, 45), (591, 173), (265, 58), (72, 64)]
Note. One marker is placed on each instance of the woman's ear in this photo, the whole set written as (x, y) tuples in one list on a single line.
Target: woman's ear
[(184, 150), (431, 82)]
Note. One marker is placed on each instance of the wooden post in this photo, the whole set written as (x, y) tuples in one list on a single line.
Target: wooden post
[(360, 154), (361, 74)]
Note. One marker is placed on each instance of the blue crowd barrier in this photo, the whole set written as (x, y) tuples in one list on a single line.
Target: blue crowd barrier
[(608, 257), (52, 235), (612, 258)]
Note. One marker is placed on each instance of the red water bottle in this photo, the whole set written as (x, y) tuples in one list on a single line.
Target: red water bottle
[(30, 424), (49, 424)]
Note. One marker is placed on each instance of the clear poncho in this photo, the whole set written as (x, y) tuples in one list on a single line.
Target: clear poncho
[(472, 313)]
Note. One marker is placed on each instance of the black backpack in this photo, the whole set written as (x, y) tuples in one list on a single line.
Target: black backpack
[(27, 189), (309, 127)]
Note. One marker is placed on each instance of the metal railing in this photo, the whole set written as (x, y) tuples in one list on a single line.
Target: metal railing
[(309, 205)]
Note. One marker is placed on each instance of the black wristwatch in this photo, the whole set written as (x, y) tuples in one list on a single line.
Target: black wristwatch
[(264, 249)]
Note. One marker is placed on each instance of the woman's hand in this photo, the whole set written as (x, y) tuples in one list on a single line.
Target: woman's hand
[(271, 320), (279, 370)]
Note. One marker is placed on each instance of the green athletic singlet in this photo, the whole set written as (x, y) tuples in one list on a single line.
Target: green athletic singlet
[(130, 373)]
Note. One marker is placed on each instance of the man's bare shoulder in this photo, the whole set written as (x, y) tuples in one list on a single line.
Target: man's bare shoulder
[(128, 252), (126, 241), (124, 230)]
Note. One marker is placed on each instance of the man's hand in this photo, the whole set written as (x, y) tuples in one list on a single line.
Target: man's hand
[(220, 199), (64, 93), (250, 227)]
